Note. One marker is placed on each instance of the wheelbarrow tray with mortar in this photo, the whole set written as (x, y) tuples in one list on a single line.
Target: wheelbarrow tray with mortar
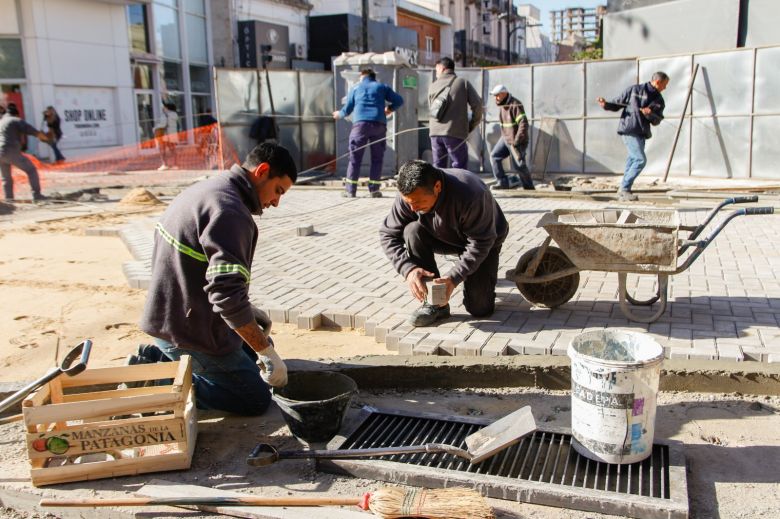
[(638, 241)]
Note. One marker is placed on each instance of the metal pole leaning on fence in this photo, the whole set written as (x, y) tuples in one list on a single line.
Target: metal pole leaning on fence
[(682, 120)]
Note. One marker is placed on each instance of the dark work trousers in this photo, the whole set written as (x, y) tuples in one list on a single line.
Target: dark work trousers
[(365, 132), (17, 158), (456, 149), (498, 154), (479, 289)]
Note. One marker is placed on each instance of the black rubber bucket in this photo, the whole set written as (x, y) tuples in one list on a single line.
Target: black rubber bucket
[(313, 403)]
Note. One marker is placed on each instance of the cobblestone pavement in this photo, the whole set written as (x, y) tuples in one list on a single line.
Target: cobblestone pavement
[(726, 306)]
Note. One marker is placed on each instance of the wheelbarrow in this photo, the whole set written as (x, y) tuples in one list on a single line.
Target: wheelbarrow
[(638, 241)]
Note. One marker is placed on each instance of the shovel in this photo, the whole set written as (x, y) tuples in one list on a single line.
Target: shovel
[(480, 445), (66, 367)]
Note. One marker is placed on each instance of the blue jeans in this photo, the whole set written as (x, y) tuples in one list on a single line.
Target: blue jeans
[(364, 132), (500, 152), (20, 160), (229, 382), (443, 147), (636, 160), (58, 156)]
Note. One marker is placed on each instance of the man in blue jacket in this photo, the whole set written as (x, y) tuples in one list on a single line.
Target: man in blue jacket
[(368, 99), (642, 106)]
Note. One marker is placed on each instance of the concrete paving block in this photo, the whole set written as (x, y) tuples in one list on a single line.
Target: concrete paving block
[(773, 358), (536, 348), (426, 347), (679, 353), (336, 319), (495, 347), (304, 230), (559, 349), (382, 329), (278, 315), (732, 352), (309, 320), (703, 353), (469, 349), (755, 353)]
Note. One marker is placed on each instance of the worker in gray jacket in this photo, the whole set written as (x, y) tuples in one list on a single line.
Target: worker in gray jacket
[(446, 211), (12, 127), (450, 130), (198, 299)]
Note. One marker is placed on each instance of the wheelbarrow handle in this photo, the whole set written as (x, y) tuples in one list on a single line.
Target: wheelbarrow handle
[(759, 210), (728, 201), (744, 199), (29, 388)]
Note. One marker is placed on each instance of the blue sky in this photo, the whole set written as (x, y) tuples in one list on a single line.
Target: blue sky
[(545, 6)]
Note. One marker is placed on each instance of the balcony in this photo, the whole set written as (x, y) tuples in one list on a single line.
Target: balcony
[(474, 53)]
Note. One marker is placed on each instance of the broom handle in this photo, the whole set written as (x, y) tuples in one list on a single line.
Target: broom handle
[(205, 501)]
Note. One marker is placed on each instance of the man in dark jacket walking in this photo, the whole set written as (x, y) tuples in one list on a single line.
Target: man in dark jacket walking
[(642, 105), (449, 132), (446, 212), (513, 141), (371, 102), (198, 299), (11, 130)]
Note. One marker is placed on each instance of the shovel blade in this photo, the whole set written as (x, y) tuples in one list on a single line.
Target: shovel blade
[(500, 435)]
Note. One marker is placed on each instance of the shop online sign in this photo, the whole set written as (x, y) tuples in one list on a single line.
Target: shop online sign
[(88, 116)]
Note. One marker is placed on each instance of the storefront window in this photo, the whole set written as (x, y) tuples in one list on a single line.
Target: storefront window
[(145, 116), (171, 76), (11, 60), (199, 106), (142, 76), (200, 80), (139, 27), (195, 6), (166, 30), (196, 39)]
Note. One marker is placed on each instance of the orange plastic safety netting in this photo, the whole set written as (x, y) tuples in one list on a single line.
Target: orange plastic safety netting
[(198, 149)]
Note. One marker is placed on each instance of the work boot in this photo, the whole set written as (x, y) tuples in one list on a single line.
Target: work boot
[(375, 194), (500, 186), (146, 354), (428, 314), (39, 197), (347, 194), (625, 195)]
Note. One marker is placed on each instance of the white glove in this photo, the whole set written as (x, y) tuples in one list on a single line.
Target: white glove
[(272, 367)]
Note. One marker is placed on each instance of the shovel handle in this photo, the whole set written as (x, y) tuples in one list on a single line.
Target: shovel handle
[(265, 454), (203, 501)]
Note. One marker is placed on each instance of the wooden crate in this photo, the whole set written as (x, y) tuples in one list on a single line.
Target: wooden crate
[(83, 427)]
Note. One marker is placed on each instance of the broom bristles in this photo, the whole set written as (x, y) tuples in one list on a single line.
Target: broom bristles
[(447, 503)]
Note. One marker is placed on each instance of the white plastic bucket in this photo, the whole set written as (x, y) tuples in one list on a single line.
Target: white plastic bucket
[(614, 383)]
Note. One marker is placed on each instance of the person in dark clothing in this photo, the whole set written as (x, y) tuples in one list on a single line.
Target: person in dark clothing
[(371, 102), (446, 211), (264, 129), (513, 141), (12, 128), (52, 120), (198, 299), (449, 132), (206, 119), (642, 105)]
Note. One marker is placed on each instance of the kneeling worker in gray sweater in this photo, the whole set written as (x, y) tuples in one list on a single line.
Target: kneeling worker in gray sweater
[(445, 211), (198, 301)]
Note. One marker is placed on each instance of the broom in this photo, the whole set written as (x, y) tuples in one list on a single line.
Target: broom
[(388, 502)]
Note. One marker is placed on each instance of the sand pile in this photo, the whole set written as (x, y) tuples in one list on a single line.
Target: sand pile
[(140, 196)]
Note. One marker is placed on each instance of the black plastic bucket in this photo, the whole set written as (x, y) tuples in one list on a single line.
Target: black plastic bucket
[(313, 403)]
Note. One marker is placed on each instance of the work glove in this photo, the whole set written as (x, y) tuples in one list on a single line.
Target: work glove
[(272, 368), (262, 320)]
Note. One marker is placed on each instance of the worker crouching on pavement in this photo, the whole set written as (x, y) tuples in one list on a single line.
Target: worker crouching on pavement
[(445, 211), (198, 302)]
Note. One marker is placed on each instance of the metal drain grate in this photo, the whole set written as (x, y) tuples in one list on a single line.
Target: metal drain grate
[(543, 468)]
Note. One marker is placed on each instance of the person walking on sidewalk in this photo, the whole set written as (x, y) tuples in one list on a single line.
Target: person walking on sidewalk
[(198, 299), (12, 127), (513, 141), (52, 120), (166, 134), (448, 211), (369, 101), (452, 127), (642, 105)]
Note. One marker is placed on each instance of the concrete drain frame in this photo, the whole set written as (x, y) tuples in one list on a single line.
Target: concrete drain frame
[(542, 469)]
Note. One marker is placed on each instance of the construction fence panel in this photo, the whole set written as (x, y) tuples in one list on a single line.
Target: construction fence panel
[(766, 146), (478, 155), (767, 100), (604, 152), (657, 148), (425, 76), (720, 147)]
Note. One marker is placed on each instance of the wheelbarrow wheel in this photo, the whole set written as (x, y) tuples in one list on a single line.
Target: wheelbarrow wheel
[(551, 293)]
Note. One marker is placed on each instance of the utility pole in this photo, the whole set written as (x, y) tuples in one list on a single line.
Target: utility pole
[(508, 32), (365, 26)]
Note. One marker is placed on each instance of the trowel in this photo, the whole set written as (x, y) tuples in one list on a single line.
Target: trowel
[(480, 445)]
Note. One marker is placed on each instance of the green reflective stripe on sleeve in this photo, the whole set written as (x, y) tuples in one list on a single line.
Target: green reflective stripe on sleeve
[(227, 268), (374, 181), (179, 246), (348, 181), (508, 125), (519, 118)]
